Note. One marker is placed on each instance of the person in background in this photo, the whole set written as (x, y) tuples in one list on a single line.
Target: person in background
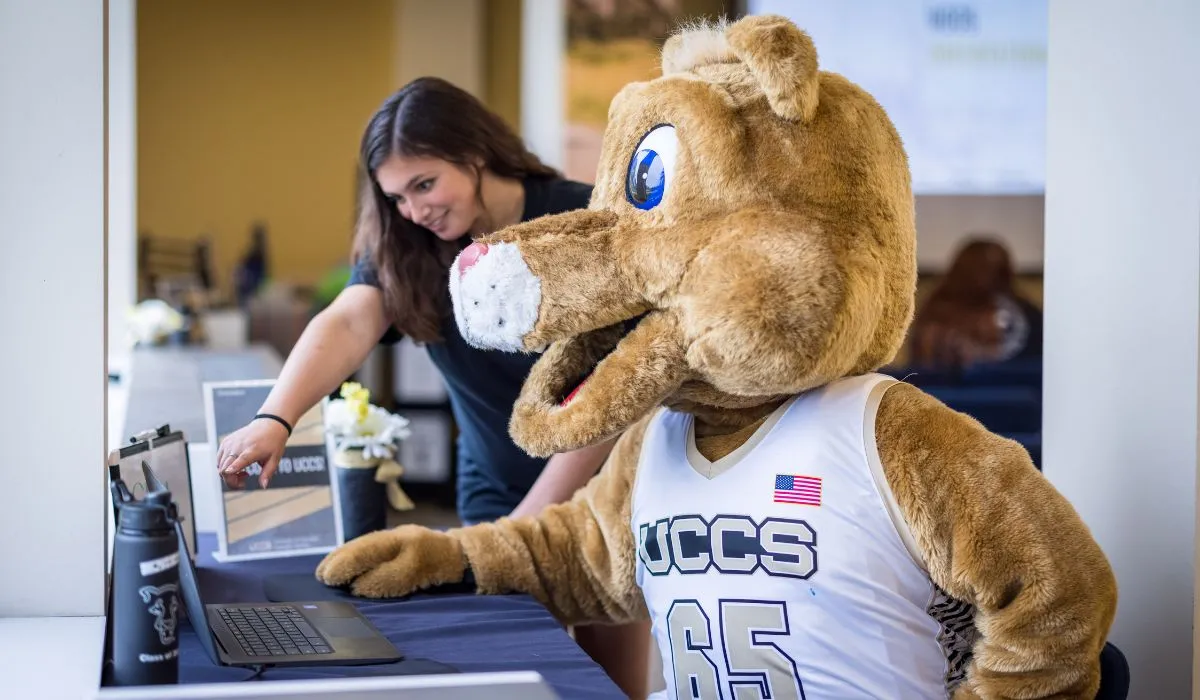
[(253, 269), (438, 170), (975, 314)]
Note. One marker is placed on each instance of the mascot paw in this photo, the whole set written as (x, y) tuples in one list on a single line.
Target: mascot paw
[(394, 563)]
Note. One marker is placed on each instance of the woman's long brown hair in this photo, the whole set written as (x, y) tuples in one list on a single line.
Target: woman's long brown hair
[(957, 324), (433, 118)]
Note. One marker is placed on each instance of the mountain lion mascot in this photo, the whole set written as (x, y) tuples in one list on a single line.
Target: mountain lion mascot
[(794, 524)]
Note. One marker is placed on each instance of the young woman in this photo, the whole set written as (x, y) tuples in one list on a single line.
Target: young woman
[(439, 169), (975, 314)]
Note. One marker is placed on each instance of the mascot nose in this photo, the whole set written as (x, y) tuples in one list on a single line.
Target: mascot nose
[(471, 255)]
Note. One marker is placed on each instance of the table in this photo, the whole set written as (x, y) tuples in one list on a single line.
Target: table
[(166, 384), (467, 632)]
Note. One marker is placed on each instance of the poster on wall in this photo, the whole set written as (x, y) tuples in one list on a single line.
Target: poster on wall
[(610, 43), (964, 82), (298, 513)]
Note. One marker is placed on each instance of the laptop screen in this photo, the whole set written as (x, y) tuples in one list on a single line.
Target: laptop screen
[(189, 590)]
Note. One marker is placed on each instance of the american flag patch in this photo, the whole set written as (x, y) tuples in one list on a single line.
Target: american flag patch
[(804, 490)]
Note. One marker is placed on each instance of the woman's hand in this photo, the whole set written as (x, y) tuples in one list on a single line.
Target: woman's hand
[(259, 442), (333, 344)]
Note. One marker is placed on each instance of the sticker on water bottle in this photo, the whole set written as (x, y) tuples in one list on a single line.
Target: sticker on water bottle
[(155, 566), (163, 603)]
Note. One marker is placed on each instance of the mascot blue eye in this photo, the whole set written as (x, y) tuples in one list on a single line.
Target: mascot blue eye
[(646, 181), (651, 167)]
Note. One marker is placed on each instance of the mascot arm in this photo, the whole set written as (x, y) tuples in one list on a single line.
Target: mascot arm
[(994, 533), (577, 557)]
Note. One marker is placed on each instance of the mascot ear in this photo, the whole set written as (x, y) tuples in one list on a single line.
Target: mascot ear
[(782, 58)]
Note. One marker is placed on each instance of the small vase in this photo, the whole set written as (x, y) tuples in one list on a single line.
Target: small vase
[(363, 499)]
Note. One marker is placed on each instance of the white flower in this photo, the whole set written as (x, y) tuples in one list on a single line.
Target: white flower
[(378, 434), (152, 320)]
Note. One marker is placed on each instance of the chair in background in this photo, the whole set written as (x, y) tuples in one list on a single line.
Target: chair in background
[(1005, 397), (1001, 409), (173, 267), (178, 272)]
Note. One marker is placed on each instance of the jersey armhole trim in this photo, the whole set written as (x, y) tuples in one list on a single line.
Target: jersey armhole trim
[(871, 449), (637, 473)]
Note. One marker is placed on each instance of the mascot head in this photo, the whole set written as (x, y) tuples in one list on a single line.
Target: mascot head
[(751, 236)]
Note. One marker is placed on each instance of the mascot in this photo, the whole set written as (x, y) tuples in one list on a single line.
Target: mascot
[(793, 524)]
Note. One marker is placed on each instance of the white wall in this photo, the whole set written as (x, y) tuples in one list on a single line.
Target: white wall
[(52, 307), (1122, 293), (543, 44), (443, 38), (122, 171)]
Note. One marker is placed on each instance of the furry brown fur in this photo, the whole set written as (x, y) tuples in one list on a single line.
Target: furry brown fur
[(783, 258), (993, 532)]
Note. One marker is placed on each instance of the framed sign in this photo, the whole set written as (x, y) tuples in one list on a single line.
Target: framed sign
[(299, 512)]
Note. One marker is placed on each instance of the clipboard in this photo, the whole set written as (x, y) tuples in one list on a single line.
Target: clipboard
[(165, 451)]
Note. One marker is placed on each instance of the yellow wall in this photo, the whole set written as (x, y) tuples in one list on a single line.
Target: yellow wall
[(502, 77), (253, 110)]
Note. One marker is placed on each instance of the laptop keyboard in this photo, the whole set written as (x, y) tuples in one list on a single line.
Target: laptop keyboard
[(275, 630)]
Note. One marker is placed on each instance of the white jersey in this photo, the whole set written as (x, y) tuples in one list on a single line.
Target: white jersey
[(785, 570)]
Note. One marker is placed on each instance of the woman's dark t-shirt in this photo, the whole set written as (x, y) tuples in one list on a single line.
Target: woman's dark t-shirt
[(493, 473)]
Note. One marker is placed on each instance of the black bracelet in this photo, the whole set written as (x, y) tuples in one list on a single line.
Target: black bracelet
[(277, 419)]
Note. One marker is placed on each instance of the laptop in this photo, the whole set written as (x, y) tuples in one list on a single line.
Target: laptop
[(317, 633), (260, 635)]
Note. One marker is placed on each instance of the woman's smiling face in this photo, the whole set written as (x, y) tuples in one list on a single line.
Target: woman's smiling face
[(432, 193)]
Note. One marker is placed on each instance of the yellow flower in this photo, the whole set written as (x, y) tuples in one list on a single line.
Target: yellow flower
[(357, 400)]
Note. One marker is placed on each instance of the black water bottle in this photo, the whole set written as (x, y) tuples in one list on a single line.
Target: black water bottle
[(145, 590)]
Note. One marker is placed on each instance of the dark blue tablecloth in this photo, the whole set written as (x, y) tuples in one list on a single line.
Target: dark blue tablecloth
[(436, 633)]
